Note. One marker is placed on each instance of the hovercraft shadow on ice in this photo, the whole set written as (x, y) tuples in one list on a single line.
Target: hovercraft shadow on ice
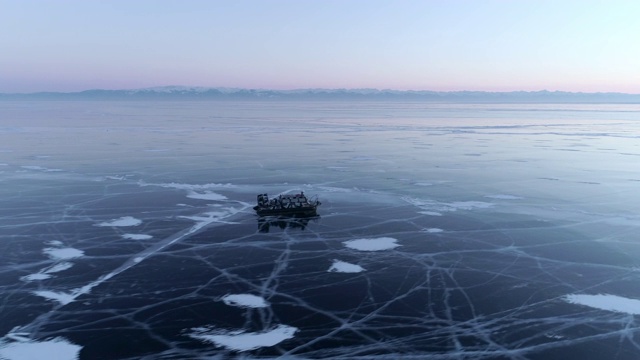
[(287, 210)]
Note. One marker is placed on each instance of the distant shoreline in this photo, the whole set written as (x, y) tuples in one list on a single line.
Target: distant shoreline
[(209, 94)]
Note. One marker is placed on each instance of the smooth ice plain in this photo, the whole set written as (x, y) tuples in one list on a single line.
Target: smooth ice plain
[(446, 231)]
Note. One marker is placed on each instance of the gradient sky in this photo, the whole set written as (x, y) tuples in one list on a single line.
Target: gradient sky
[(443, 45)]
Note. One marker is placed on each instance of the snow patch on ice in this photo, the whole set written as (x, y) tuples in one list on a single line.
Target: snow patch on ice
[(46, 273), (622, 221), (40, 168), (435, 208), (58, 254), (375, 244), (470, 205), (63, 253), (136, 236), (207, 195), (423, 184), (345, 267), (606, 302), (61, 297), (123, 221), (363, 158), (211, 216), (245, 300), (338, 168), (335, 189), (503, 197), (59, 267), (433, 230), (430, 213), (239, 340), (554, 336), (190, 187), (112, 177), (35, 277), (196, 191), (54, 349)]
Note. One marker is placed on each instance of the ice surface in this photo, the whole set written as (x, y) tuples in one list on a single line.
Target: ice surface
[(606, 302), (375, 244), (239, 340), (245, 300), (419, 251), (345, 267)]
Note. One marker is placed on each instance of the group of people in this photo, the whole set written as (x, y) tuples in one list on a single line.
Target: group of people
[(282, 201)]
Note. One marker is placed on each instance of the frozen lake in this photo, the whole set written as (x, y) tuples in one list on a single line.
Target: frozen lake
[(446, 231)]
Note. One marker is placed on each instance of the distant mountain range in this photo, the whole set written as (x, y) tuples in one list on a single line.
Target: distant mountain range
[(199, 93)]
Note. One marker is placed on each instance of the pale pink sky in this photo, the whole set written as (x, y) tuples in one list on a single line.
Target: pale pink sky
[(569, 45)]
